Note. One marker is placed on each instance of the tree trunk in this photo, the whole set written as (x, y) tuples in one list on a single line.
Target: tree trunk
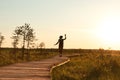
[(23, 48), (28, 56)]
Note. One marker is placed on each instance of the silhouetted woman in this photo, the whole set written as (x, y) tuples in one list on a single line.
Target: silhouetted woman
[(61, 44)]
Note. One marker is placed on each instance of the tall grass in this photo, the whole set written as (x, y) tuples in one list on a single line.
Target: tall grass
[(89, 66)]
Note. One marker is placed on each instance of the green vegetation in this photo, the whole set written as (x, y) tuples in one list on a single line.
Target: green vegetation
[(8, 56), (89, 66)]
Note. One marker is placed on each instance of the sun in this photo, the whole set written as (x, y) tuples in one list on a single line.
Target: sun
[(109, 30)]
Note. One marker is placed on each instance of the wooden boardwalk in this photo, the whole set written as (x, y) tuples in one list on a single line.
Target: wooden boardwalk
[(36, 70)]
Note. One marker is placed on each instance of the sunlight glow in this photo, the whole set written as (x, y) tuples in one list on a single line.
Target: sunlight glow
[(109, 30)]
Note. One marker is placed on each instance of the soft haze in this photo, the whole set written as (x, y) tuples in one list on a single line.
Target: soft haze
[(89, 24)]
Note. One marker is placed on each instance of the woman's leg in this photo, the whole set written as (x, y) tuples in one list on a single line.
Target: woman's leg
[(60, 52)]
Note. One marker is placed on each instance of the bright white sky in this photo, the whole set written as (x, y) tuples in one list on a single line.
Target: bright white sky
[(89, 24)]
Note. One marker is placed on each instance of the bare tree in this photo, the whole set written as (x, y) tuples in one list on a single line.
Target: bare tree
[(30, 37), (15, 41), (16, 36), (1, 39), (26, 33), (42, 45)]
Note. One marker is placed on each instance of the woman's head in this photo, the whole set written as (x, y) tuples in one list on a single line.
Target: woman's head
[(61, 37)]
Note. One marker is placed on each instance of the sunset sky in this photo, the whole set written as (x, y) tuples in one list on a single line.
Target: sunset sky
[(89, 24)]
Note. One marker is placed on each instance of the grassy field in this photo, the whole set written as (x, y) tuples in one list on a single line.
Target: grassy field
[(8, 56), (11, 56), (90, 66)]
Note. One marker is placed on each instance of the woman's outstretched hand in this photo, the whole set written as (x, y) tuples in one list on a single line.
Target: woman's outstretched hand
[(65, 35)]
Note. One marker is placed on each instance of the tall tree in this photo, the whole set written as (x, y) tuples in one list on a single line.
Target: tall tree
[(30, 37), (26, 33), (15, 41), (16, 36)]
